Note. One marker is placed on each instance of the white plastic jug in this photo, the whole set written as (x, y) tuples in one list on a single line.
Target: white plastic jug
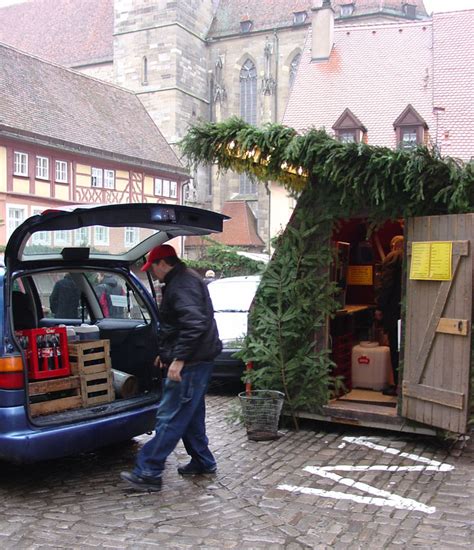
[(370, 366)]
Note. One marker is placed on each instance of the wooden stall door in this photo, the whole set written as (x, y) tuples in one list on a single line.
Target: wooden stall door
[(437, 351)]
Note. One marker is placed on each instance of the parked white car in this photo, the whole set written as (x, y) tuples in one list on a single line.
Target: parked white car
[(232, 298)]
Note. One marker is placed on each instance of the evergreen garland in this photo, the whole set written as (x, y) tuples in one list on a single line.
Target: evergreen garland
[(333, 181)]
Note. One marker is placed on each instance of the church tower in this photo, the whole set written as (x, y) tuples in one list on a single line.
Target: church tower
[(160, 53)]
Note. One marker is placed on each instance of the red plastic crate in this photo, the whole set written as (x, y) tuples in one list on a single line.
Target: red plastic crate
[(46, 352)]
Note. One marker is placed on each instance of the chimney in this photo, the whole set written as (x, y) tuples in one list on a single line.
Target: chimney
[(323, 29)]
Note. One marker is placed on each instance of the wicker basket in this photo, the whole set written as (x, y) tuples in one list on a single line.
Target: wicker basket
[(261, 411)]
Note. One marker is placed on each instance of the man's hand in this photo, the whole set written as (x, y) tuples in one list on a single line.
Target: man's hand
[(174, 372), (159, 363)]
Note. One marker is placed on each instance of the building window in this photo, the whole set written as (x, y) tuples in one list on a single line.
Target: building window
[(347, 136), (248, 92), (144, 71), (131, 236), (61, 171), (348, 128), (82, 236), (109, 179), (158, 187), (16, 215), (347, 10), (246, 26), (409, 10), (62, 237), (299, 17), (173, 189), (409, 138), (166, 188), (42, 237), (247, 186), (294, 67), (96, 177), (101, 235), (410, 129), (20, 164), (42, 168)]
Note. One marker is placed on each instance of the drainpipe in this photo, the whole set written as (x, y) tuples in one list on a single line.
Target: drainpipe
[(183, 202)]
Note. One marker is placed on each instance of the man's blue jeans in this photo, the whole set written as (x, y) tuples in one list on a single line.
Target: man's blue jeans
[(181, 415)]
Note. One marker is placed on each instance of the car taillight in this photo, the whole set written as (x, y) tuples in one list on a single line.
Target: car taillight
[(11, 373)]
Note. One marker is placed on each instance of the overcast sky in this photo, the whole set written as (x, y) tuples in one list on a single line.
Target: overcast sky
[(430, 5)]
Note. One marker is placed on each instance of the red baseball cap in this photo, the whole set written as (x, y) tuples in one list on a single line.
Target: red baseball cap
[(158, 253)]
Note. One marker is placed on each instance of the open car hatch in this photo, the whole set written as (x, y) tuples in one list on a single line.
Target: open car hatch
[(117, 232)]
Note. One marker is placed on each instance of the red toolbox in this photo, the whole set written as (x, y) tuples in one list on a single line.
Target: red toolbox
[(46, 351)]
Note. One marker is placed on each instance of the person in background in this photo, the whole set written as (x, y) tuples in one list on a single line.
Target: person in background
[(107, 287), (188, 342), (388, 302), (209, 276), (64, 300)]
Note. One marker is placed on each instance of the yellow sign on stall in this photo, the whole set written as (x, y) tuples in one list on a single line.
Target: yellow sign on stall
[(431, 261)]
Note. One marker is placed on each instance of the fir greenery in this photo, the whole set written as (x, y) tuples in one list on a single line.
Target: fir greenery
[(333, 181)]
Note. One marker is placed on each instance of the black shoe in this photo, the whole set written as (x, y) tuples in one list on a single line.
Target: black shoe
[(391, 390), (193, 470), (142, 483)]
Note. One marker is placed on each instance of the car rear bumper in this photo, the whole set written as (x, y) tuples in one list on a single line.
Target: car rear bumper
[(26, 444)]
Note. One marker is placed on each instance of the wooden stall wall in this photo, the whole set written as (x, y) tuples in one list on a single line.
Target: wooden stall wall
[(438, 322)]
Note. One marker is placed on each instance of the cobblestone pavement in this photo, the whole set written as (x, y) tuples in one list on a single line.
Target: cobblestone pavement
[(366, 489)]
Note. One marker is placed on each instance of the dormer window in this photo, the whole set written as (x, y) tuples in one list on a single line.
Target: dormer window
[(299, 17), (410, 129), (347, 10), (409, 10), (246, 26), (348, 128)]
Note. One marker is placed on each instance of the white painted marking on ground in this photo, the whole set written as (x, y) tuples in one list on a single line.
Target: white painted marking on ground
[(379, 497), (377, 501), (390, 450), (383, 468)]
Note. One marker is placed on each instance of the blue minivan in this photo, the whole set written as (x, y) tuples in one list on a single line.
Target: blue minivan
[(85, 246)]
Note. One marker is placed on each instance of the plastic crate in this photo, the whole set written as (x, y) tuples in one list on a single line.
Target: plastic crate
[(46, 352)]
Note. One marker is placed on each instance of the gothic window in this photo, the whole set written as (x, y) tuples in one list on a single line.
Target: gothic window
[(348, 128), (144, 71), (294, 67), (248, 111), (248, 92), (410, 129)]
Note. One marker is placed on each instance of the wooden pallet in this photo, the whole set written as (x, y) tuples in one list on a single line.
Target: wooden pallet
[(97, 388), (56, 395), (89, 357)]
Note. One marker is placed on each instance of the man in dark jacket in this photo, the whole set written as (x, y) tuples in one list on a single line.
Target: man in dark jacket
[(64, 300), (188, 344), (108, 286)]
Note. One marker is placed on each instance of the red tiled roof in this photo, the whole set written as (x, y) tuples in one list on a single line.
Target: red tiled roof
[(375, 71), (271, 14), (240, 230), (453, 48), (48, 101), (68, 32)]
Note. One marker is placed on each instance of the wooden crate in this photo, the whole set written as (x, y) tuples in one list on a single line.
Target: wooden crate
[(89, 357), (96, 388), (56, 395)]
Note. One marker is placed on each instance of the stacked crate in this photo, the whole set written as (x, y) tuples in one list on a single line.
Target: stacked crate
[(90, 361)]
